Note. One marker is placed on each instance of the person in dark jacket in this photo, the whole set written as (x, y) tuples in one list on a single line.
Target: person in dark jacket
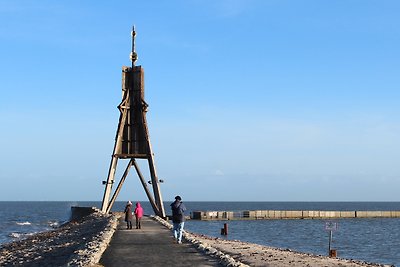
[(178, 218), (128, 215)]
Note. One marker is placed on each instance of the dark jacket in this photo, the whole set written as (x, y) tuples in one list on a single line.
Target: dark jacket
[(178, 211), (128, 213)]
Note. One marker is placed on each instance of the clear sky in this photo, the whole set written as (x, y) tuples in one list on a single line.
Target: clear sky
[(267, 100)]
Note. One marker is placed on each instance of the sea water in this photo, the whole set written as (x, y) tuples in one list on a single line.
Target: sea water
[(372, 240)]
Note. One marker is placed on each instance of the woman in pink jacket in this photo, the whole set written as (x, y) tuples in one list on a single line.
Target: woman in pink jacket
[(138, 214)]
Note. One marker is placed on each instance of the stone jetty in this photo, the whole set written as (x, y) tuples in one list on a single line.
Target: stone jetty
[(290, 214), (102, 240)]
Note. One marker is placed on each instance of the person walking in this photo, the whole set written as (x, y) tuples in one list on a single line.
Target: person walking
[(138, 214), (178, 218), (128, 215)]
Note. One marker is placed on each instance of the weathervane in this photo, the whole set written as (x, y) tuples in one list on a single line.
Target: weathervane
[(133, 55)]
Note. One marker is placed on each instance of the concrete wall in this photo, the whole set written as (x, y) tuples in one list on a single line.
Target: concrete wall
[(290, 214)]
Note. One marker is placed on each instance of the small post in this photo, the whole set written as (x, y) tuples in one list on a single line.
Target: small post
[(331, 226), (224, 231)]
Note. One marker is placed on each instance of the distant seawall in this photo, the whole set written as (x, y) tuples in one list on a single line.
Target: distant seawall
[(289, 214)]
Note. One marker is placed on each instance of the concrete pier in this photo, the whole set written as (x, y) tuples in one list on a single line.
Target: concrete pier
[(289, 214), (153, 245)]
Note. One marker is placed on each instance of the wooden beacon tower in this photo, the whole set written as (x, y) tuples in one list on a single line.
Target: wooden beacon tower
[(132, 139)]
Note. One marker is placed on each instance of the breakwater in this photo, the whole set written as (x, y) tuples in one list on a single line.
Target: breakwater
[(77, 213), (289, 214), (78, 243)]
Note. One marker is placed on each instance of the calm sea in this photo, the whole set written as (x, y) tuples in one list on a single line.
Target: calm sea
[(373, 240)]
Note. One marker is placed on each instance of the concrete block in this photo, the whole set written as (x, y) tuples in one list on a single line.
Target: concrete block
[(332, 214), (311, 214), (259, 214), (197, 215), (307, 214), (395, 214), (278, 214), (265, 213), (212, 214), (374, 214), (369, 214), (347, 214), (316, 214), (237, 214), (271, 214), (252, 214), (229, 215), (361, 214), (293, 214)]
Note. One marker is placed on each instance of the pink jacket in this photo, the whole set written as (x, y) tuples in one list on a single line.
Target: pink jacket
[(138, 210)]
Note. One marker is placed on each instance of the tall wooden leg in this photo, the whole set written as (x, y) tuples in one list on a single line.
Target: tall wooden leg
[(156, 188), (114, 161), (118, 189), (109, 183), (146, 189)]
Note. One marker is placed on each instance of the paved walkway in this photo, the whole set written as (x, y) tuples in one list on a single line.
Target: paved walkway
[(153, 245)]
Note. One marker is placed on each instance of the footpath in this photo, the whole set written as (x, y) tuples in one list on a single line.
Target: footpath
[(153, 245)]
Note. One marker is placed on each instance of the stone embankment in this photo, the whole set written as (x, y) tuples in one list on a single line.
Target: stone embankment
[(237, 253), (83, 242), (78, 243)]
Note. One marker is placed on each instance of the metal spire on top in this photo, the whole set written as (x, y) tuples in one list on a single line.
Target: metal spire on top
[(133, 54)]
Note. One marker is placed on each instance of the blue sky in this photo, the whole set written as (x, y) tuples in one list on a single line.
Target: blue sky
[(249, 100)]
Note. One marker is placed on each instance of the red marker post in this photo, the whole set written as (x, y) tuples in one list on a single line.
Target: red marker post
[(224, 231)]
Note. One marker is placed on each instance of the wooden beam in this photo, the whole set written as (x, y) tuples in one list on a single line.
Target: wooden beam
[(114, 159), (146, 189), (118, 189)]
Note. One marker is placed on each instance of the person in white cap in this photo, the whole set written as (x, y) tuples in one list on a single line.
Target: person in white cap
[(128, 215)]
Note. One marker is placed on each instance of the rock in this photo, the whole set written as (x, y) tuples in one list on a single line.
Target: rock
[(60, 247)]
